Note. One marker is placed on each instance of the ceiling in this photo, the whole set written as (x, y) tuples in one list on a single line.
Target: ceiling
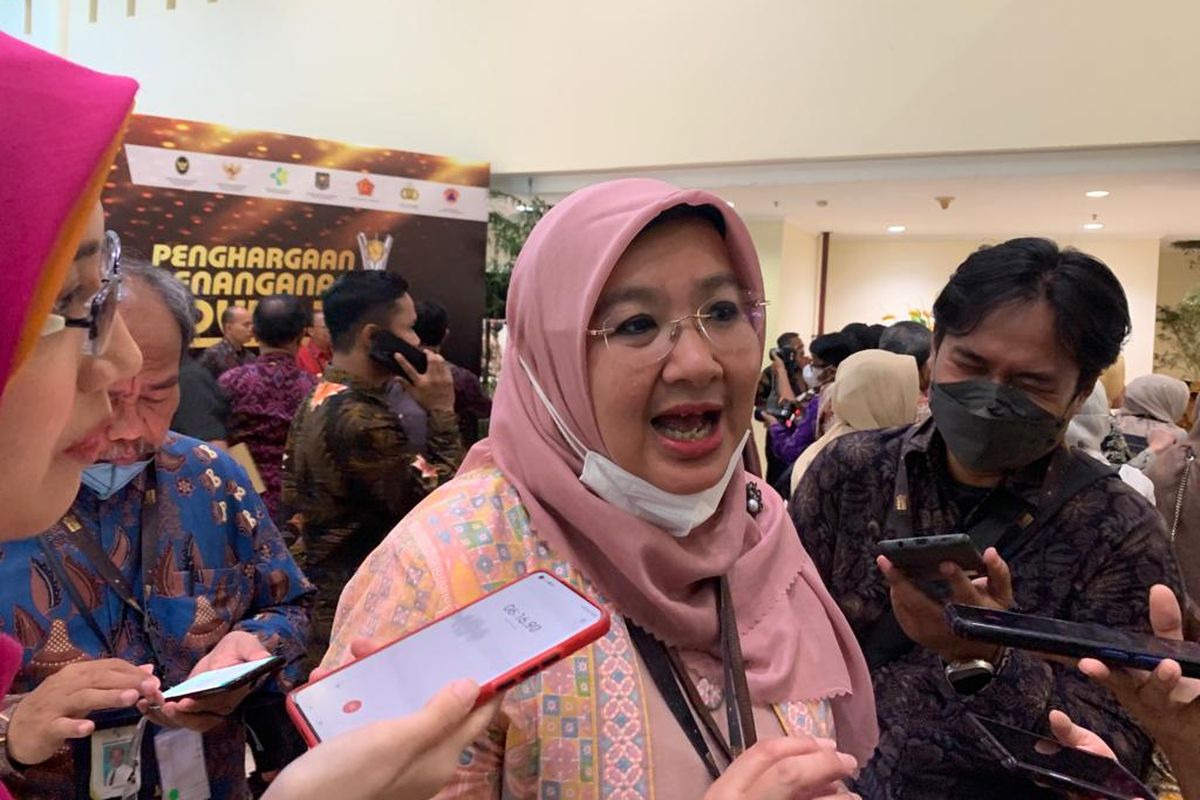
[(1154, 193)]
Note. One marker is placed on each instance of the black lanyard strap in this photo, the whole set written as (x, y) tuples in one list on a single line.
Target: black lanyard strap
[(71, 531), (669, 673)]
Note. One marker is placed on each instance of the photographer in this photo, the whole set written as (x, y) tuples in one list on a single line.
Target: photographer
[(778, 387)]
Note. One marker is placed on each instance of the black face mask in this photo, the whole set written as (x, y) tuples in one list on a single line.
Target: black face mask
[(992, 428)]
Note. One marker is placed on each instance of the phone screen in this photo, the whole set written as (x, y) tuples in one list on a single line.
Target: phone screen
[(1099, 641), (1048, 756), (502, 632), (222, 678)]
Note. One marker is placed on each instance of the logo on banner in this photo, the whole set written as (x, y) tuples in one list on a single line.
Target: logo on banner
[(280, 176), (365, 187), (182, 165), (451, 195), (410, 193), (232, 170), (321, 180)]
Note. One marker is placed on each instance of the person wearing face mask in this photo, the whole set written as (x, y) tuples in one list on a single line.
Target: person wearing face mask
[(1023, 331), (786, 443), (614, 460), (166, 558)]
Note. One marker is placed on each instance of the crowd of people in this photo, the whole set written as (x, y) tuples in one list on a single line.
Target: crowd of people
[(163, 515)]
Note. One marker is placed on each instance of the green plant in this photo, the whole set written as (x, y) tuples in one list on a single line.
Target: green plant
[(510, 221), (1179, 326)]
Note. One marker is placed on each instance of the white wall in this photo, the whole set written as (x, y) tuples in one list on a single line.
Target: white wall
[(547, 85), (871, 278)]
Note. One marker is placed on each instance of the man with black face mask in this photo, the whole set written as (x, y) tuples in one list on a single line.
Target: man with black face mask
[(1023, 331)]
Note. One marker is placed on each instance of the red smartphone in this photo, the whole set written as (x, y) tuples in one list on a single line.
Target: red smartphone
[(498, 641)]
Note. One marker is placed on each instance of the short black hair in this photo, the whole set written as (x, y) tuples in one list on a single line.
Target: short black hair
[(857, 336), (1091, 313), (432, 323), (832, 348), (227, 314), (784, 338), (357, 299), (908, 338), (280, 320), (874, 333)]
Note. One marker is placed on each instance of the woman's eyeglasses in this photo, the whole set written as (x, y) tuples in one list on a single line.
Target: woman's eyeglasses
[(102, 310), (727, 323)]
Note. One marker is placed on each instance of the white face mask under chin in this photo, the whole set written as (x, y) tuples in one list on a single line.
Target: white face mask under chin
[(677, 514)]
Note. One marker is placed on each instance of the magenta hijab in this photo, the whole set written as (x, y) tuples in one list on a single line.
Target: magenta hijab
[(796, 643)]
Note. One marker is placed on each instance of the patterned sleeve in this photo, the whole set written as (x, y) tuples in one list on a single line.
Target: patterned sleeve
[(1112, 591), (815, 509), (394, 592), (279, 608), (444, 448)]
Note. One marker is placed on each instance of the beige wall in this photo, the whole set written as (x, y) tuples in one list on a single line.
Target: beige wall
[(871, 278), (546, 85), (1176, 277)]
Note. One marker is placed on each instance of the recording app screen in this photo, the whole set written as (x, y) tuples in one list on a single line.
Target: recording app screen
[(1049, 755), (499, 633)]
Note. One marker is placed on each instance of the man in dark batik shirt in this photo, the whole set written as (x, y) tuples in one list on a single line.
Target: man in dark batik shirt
[(264, 395), (1023, 330), (350, 472), (231, 351)]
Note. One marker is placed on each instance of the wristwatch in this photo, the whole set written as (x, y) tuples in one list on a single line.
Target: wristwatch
[(969, 677)]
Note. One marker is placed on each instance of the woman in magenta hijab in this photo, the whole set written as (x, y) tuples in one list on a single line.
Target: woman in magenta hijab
[(635, 320)]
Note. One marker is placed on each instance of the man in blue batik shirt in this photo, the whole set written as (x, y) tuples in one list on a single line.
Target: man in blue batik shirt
[(167, 558)]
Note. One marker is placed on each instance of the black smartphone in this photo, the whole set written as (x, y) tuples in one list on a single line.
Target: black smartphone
[(921, 557), (385, 345), (1114, 647), (225, 679), (1050, 764)]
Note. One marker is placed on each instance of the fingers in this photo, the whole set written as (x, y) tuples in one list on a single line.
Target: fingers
[(1096, 670), (826, 766), (67, 728), (361, 647), (962, 589), (1072, 735), (749, 768), (475, 725), (1166, 618), (443, 714), (1160, 684), (410, 373), (85, 701), (999, 584)]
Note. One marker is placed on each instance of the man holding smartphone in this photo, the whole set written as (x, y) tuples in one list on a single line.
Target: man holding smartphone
[(350, 471), (1023, 331)]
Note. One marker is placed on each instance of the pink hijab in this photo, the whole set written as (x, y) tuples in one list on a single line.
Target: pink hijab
[(796, 643)]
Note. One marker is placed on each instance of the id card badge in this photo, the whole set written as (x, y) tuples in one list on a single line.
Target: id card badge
[(116, 762), (180, 754)]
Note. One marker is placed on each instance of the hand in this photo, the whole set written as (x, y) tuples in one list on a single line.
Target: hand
[(43, 720), (790, 768), (924, 619), (414, 756), (1071, 735), (433, 390), (1163, 702), (205, 713)]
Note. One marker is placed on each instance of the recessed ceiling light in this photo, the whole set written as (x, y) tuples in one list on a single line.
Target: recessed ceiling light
[(1097, 193), (1093, 226), (896, 229)]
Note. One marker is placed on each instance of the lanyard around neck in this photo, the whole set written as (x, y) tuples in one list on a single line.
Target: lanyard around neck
[(669, 673)]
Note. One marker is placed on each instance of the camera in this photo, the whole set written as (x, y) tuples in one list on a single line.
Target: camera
[(785, 354)]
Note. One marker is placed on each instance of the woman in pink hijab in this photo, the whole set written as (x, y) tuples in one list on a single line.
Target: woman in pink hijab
[(635, 335)]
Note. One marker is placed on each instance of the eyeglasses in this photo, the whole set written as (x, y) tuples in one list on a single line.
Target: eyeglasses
[(727, 323), (103, 307)]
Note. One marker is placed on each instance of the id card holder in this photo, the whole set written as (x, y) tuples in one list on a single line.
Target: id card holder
[(116, 762), (181, 769)]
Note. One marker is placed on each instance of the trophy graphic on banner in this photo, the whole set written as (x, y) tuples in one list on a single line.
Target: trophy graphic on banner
[(374, 251)]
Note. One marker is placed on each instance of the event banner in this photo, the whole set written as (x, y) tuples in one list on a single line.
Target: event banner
[(239, 215)]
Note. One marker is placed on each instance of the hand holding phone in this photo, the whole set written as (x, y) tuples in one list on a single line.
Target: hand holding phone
[(1048, 763), (497, 641), (384, 347)]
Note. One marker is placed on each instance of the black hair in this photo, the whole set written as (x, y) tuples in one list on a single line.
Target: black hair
[(874, 332), (784, 338), (1091, 314), (280, 320), (908, 338), (683, 212), (432, 323), (227, 314), (357, 299), (832, 348), (857, 336)]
